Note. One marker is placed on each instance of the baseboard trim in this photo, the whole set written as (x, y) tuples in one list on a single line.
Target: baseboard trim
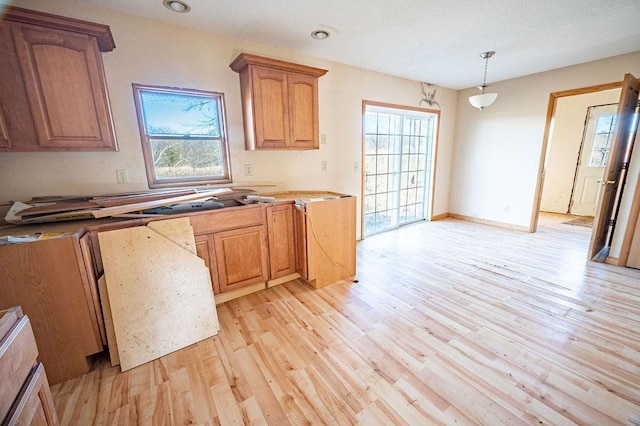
[(282, 280), (488, 222), (440, 217), (225, 297), (612, 261)]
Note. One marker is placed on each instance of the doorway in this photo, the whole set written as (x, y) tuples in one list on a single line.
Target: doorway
[(398, 148), (615, 172), (564, 149)]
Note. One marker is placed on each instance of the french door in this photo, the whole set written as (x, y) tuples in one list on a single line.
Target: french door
[(399, 145)]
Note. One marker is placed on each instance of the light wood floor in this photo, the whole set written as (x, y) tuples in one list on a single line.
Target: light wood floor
[(450, 323)]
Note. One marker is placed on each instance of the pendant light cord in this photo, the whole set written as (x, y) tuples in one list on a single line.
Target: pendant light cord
[(484, 80)]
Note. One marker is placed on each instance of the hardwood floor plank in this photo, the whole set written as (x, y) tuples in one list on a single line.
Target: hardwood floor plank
[(451, 323)]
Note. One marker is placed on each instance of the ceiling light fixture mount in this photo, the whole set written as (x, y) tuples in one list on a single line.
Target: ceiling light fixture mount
[(485, 99), (320, 34), (178, 6)]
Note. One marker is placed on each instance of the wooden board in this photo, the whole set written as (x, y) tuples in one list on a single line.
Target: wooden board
[(123, 199), (128, 208), (108, 321), (160, 295), (177, 230)]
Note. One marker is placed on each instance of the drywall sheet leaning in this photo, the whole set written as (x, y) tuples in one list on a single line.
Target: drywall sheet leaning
[(160, 294)]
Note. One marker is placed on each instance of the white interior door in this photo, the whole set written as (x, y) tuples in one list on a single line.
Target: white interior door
[(596, 142)]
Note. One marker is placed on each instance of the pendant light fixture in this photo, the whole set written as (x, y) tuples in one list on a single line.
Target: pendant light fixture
[(485, 99)]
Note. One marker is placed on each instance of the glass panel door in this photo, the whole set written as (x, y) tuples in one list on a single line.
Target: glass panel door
[(398, 147)]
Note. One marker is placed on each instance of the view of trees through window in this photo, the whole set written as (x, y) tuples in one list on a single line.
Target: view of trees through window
[(186, 158), (184, 133), (398, 147)]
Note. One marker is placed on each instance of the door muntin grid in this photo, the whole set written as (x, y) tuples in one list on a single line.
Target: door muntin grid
[(397, 148)]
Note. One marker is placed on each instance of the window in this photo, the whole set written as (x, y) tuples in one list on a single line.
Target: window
[(602, 140), (183, 134)]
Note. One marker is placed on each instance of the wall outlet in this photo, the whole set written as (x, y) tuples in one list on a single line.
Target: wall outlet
[(248, 170), (507, 209), (323, 138), (324, 166), (122, 176)]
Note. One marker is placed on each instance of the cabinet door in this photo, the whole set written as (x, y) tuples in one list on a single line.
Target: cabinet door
[(300, 240), (16, 125), (303, 107), (241, 257), (66, 88), (281, 243), (205, 251), (271, 107)]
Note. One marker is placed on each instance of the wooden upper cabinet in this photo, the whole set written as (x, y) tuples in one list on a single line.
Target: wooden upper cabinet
[(55, 98), (280, 103)]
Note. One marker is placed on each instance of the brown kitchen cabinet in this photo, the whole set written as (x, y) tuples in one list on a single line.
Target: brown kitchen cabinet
[(282, 261), (48, 279), (25, 397), (280, 103), (325, 240), (53, 94), (233, 244)]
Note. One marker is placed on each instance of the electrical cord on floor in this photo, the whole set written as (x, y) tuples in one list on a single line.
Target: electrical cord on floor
[(315, 236)]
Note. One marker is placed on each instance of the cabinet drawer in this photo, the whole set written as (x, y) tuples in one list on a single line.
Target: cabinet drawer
[(222, 220), (18, 354), (34, 405)]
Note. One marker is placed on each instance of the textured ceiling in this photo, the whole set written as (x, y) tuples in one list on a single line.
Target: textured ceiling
[(437, 41)]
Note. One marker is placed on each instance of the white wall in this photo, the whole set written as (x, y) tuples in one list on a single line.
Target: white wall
[(154, 53), (497, 151), (564, 147)]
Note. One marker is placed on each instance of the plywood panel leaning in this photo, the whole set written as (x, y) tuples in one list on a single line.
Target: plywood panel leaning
[(160, 293)]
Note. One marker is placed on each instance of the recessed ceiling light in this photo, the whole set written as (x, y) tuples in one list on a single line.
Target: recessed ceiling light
[(176, 6), (320, 34)]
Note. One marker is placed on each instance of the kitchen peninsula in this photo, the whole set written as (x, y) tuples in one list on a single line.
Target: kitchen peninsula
[(247, 248)]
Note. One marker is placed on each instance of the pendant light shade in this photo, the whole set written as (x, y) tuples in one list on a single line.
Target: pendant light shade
[(485, 99)]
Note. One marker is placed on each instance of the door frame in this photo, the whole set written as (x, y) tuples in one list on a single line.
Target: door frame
[(432, 178), (544, 152)]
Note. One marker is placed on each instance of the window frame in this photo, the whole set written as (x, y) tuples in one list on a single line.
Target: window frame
[(154, 182)]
